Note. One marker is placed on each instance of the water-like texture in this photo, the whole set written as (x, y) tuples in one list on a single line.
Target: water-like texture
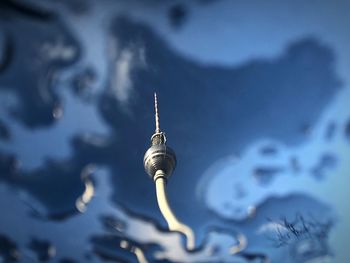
[(43, 249), (262, 144), (8, 250)]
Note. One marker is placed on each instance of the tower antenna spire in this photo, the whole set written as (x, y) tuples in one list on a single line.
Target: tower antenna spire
[(156, 113)]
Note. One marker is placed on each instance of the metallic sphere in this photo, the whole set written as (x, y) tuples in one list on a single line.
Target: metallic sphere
[(159, 157)]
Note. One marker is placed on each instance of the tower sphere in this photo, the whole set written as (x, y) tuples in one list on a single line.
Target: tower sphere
[(159, 157)]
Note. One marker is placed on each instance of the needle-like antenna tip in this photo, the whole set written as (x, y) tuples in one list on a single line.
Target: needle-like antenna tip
[(156, 112)]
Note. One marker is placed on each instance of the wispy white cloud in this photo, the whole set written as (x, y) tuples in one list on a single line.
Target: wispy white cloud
[(124, 62)]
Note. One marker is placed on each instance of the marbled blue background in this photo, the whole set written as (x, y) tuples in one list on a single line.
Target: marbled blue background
[(254, 98)]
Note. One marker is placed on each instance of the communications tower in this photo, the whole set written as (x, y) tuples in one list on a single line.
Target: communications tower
[(159, 162)]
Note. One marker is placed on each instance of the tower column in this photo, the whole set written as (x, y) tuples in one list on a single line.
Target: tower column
[(174, 224)]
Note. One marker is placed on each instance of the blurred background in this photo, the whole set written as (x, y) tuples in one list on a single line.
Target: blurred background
[(253, 96)]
